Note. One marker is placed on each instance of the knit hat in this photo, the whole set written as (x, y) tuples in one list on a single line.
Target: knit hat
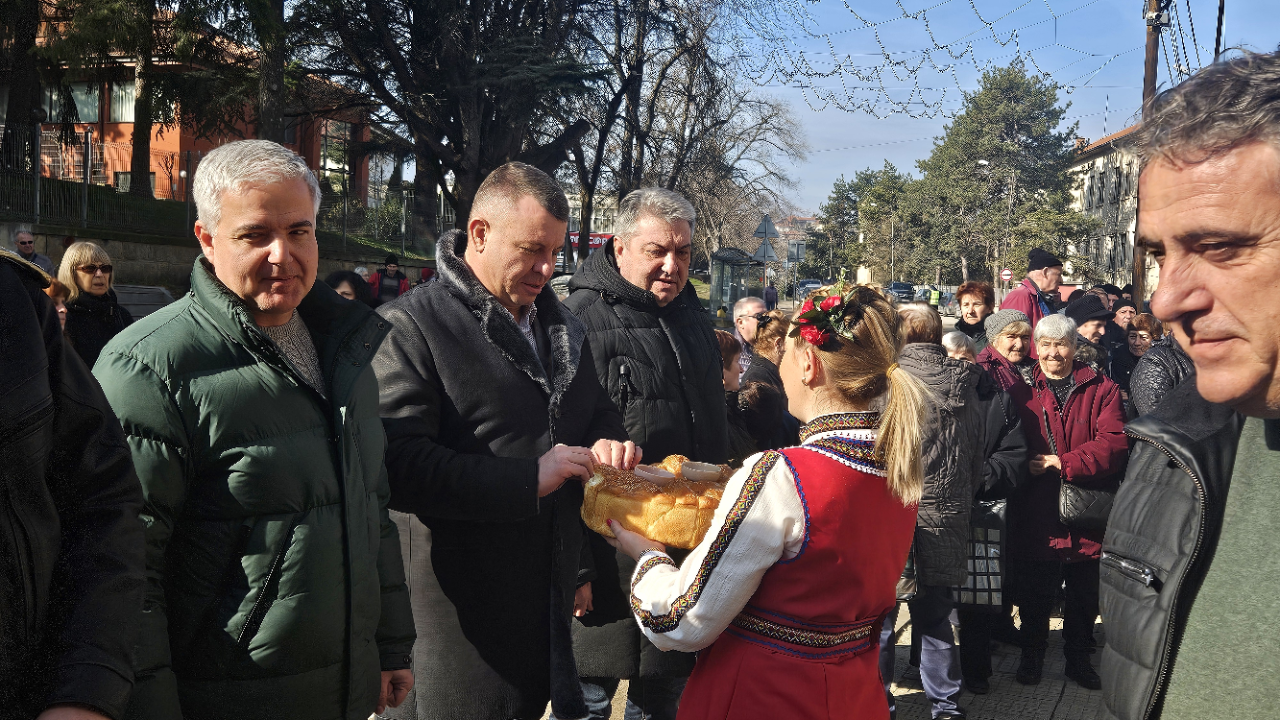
[(1039, 259), (998, 321), (391, 260), (1122, 303), (1111, 289), (1088, 308)]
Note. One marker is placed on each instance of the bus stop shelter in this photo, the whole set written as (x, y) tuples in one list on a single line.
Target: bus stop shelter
[(734, 275)]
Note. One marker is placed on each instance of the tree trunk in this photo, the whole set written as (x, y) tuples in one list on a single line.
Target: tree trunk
[(140, 159), (964, 269), (425, 218), (24, 87), (271, 61), (584, 227)]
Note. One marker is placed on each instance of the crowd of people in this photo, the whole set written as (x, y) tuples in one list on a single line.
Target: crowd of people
[(270, 500)]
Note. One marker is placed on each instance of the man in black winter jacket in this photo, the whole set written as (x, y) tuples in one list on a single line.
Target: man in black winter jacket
[(953, 461), (71, 550), (657, 356), (1190, 570)]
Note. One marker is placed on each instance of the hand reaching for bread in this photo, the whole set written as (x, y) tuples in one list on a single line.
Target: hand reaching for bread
[(632, 544), (561, 463), (621, 455)]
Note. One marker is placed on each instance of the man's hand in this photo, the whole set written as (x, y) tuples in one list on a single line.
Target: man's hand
[(71, 712), (395, 686), (582, 601), (622, 455), (1040, 464), (561, 463), (632, 544)]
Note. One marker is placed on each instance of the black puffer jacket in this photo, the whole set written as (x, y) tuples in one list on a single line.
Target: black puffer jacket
[(71, 549), (1005, 458), (671, 392), (953, 459), (1160, 540), (662, 367), (92, 321)]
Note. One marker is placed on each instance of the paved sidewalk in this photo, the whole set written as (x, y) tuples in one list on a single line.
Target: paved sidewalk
[(1055, 698)]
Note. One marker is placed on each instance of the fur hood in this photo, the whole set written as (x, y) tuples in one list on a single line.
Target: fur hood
[(565, 332)]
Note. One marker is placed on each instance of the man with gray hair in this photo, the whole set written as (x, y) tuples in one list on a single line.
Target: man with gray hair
[(657, 356), (747, 313), (25, 243), (274, 582), (1190, 572)]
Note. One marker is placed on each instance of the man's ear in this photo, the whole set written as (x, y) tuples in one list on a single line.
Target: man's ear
[(478, 233), (205, 238)]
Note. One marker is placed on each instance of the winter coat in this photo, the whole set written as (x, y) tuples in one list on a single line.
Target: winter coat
[(1160, 541), (953, 463), (1095, 355), (1033, 303), (274, 583), (662, 366), (71, 559), (469, 407), (92, 321), (1157, 373), (1089, 437), (1004, 467), (1122, 364), (375, 285), (977, 332), (786, 431)]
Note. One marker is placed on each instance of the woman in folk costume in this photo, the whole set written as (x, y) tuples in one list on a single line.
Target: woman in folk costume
[(785, 595)]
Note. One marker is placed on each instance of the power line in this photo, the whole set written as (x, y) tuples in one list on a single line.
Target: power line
[(1195, 43)]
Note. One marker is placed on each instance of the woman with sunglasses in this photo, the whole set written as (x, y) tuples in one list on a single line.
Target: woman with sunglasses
[(93, 315)]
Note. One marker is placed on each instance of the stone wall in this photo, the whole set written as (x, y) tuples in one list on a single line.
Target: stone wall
[(168, 264)]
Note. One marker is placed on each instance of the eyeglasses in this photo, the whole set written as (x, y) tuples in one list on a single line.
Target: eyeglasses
[(762, 318), (93, 269)]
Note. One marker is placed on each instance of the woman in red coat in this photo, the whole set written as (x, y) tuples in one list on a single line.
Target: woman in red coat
[(1074, 425), (785, 595)]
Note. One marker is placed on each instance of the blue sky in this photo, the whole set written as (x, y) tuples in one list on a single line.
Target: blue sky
[(1095, 46)]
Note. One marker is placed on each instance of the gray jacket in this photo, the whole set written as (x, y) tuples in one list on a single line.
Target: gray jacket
[(953, 461)]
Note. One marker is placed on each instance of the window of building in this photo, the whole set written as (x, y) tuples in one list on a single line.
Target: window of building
[(291, 130), (83, 94), (123, 182), (334, 136), (122, 99)]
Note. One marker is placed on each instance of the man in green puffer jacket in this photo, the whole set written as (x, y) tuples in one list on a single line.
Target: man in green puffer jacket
[(275, 587)]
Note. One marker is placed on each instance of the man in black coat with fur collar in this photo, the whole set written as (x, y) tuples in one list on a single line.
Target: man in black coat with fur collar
[(494, 415), (656, 353)]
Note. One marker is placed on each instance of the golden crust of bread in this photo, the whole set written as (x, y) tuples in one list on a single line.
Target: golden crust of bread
[(678, 514)]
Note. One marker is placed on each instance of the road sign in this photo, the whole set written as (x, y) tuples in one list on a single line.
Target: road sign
[(766, 229), (795, 251), (765, 252), (1006, 274)]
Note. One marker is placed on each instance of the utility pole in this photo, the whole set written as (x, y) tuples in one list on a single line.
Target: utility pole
[(1157, 20), (1217, 43)]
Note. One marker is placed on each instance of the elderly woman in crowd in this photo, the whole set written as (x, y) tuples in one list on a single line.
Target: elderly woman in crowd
[(1077, 436), (960, 346), (93, 315), (1008, 355), (977, 301), (59, 294), (1142, 331)]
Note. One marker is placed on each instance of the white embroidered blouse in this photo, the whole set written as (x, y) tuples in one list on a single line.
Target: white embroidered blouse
[(760, 521)]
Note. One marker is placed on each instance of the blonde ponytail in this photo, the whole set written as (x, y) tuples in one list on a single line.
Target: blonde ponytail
[(901, 437), (861, 360)]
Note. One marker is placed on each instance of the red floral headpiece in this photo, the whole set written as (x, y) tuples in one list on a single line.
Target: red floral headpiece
[(825, 314)]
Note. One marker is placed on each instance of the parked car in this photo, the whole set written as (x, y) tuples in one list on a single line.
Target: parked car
[(904, 292), (804, 287), (949, 306)]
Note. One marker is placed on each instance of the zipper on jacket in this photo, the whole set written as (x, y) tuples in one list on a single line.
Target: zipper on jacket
[(269, 588), (1132, 569), (1171, 647)]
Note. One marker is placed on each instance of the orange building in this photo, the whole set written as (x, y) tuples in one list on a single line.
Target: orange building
[(106, 111)]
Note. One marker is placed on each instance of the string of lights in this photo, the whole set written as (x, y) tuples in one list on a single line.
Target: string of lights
[(923, 82)]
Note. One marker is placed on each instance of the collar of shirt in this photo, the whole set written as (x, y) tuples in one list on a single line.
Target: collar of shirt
[(525, 323)]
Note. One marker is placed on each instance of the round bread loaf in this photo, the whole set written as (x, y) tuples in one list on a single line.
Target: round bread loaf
[(677, 514)]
